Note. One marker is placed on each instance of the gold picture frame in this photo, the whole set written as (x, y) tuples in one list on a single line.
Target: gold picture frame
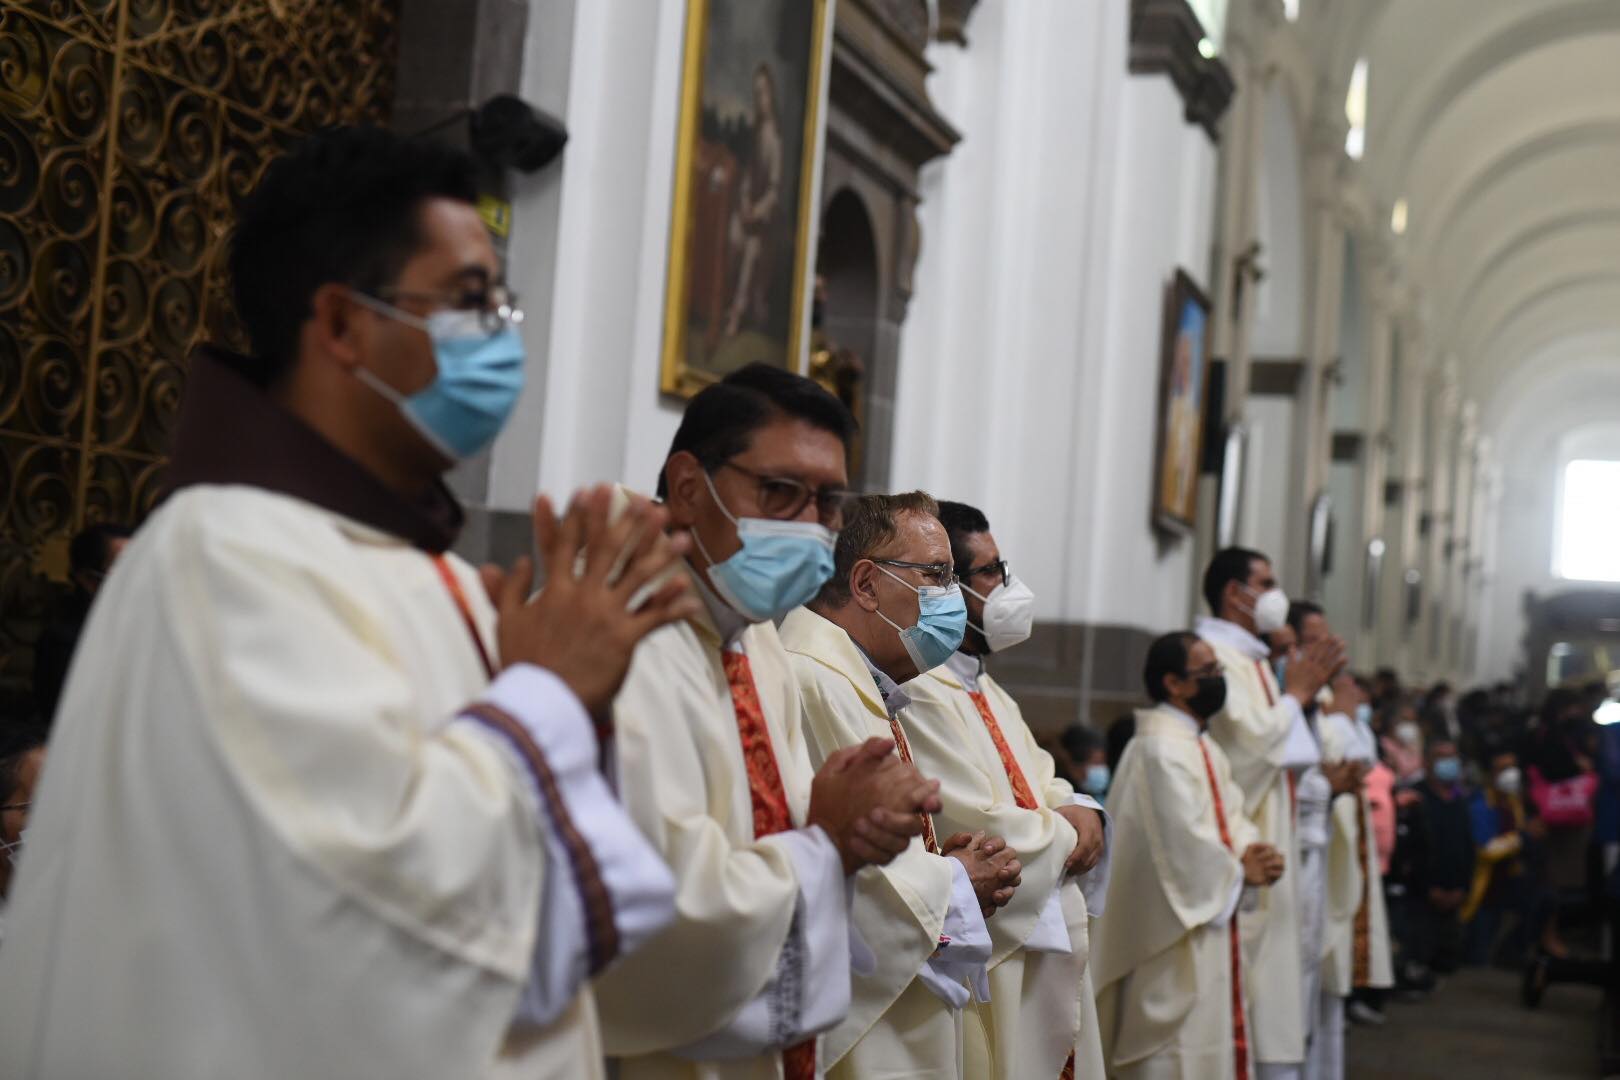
[(727, 299)]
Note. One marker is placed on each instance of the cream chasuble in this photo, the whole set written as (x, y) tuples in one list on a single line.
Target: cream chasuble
[(1041, 1007), (290, 829), (1263, 734), (1356, 941), (898, 1026), (1163, 960), (758, 959)]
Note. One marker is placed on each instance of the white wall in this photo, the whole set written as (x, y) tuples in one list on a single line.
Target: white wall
[(1029, 372), (1268, 470), (1279, 303)]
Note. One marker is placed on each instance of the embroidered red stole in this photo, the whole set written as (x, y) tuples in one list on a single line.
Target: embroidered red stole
[(904, 749), (1240, 1035), (769, 799), (1022, 795)]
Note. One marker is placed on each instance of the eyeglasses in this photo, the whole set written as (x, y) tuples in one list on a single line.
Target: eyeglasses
[(16, 806), (783, 498), (998, 568), (496, 305), (1208, 671), (941, 575)]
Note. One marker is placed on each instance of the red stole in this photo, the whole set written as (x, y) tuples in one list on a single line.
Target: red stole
[(1240, 1035), (770, 803)]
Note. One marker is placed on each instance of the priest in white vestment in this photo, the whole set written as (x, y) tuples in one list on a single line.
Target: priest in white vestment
[(967, 732), (1263, 732), (923, 914), (713, 764), (313, 806), (1174, 988), (1345, 958)]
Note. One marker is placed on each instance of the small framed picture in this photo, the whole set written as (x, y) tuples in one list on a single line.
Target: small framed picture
[(1184, 380)]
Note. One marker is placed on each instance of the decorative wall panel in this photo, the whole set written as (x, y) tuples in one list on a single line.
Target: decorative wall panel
[(129, 130)]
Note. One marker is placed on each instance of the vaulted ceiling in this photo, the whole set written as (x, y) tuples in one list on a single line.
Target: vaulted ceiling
[(1498, 121)]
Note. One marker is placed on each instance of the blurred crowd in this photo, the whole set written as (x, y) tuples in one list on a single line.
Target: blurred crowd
[(1497, 822)]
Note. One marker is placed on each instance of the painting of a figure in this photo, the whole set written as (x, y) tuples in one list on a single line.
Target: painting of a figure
[(742, 187), (1181, 420)]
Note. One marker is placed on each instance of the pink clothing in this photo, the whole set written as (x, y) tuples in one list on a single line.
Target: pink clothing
[(1381, 807)]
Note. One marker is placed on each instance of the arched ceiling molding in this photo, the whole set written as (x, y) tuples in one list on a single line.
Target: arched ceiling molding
[(1513, 356), (1579, 183), (1562, 292), (1561, 313), (1439, 218), (1582, 352), (1560, 401), (1586, 253), (1536, 401), (1549, 93), (1529, 27), (1474, 274)]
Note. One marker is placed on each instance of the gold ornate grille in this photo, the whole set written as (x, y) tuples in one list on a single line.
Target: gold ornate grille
[(128, 131)]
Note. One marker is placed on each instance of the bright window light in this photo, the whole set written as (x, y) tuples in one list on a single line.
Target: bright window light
[(1397, 218), (1355, 111), (1291, 9), (1589, 524), (1608, 713)]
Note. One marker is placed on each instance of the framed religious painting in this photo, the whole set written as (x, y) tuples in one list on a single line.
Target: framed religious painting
[(1183, 382), (740, 235)]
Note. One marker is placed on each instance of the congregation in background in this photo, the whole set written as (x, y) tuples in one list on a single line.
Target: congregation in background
[(735, 793)]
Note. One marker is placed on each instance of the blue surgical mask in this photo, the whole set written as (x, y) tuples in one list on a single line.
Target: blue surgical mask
[(1364, 714), (941, 622), (781, 564), (480, 376), (1097, 780), (1447, 770), (1280, 668)]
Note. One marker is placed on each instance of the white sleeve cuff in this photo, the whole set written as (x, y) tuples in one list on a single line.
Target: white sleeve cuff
[(1242, 896), (605, 891), (824, 982), (809, 990), (1094, 882), (964, 946), (1051, 933)]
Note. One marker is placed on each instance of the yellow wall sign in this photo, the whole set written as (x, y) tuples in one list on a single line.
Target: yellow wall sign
[(497, 215)]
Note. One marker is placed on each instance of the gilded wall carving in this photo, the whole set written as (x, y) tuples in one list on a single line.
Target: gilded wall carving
[(129, 129)]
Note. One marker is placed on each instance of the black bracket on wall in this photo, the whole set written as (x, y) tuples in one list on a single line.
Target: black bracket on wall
[(1165, 38)]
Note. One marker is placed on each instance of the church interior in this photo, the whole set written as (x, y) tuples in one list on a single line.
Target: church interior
[(1333, 280)]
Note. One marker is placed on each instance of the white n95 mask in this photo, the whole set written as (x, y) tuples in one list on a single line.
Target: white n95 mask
[(1270, 611), (1009, 614)]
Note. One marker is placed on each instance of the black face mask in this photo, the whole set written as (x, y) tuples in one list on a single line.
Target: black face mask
[(1211, 697)]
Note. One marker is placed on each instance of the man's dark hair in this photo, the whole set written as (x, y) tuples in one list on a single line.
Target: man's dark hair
[(722, 419), (340, 207), (90, 550), (870, 523), (1081, 742), (16, 740), (1232, 564), (1298, 612), (1166, 656), (962, 521)]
